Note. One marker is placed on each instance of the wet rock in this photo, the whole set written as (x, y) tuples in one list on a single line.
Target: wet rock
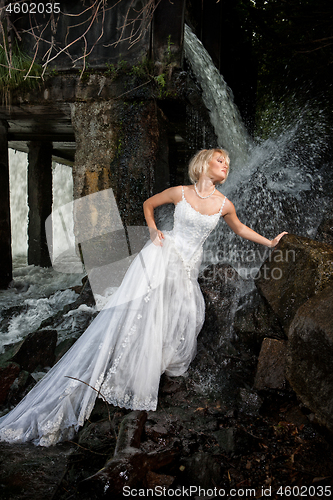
[(163, 480), (255, 320), (130, 469), (235, 440), (62, 348), (325, 231), (201, 469), (86, 294), (226, 439), (156, 432), (30, 472), (271, 365), (37, 349), (221, 359), (130, 431), (131, 463), (296, 270), (8, 374), (9, 353), (249, 402), (310, 355), (22, 384), (220, 285), (98, 436)]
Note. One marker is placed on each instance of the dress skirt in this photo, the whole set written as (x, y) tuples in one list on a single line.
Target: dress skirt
[(148, 327)]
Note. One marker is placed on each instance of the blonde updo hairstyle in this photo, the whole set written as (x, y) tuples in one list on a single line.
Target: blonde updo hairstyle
[(199, 163)]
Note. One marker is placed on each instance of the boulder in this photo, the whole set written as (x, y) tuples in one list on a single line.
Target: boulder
[(8, 375), (271, 365), (32, 471), (254, 321), (201, 470), (297, 269), (325, 231), (37, 349), (310, 355), (220, 285), (21, 386), (223, 359)]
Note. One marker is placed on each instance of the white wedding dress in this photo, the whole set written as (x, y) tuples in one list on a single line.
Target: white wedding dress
[(148, 327)]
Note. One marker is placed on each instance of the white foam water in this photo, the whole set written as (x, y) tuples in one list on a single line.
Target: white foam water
[(37, 293)]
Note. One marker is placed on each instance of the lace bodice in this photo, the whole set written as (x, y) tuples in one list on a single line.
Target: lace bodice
[(191, 229)]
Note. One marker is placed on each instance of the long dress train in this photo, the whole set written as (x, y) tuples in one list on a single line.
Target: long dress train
[(148, 327)]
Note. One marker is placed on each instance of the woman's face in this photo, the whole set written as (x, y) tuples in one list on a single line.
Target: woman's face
[(217, 167)]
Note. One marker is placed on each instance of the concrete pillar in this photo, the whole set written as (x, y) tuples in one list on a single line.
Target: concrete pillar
[(5, 229), (39, 201), (122, 146)]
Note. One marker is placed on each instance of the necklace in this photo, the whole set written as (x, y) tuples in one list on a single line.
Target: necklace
[(203, 197)]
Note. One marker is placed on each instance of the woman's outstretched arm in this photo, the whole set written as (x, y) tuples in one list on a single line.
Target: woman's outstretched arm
[(239, 228)]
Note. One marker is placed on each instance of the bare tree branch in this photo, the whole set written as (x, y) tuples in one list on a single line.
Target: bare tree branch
[(131, 31)]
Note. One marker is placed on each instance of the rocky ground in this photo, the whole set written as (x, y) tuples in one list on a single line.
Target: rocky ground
[(262, 443), (233, 427)]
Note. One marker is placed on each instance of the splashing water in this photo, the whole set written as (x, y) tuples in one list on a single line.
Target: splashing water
[(18, 201), (218, 99), (276, 184), (35, 293), (280, 188)]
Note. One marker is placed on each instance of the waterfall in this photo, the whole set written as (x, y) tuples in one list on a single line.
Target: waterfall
[(217, 96), (18, 202), (62, 193), (278, 184)]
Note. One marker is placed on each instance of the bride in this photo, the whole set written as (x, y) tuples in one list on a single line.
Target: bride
[(149, 325)]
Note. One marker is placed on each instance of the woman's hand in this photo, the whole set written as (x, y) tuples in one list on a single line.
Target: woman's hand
[(277, 239), (156, 236)]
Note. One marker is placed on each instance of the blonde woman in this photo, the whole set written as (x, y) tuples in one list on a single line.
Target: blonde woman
[(148, 327)]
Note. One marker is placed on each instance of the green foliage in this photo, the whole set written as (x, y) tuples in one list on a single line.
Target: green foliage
[(122, 66), (52, 72), (20, 73), (143, 69), (162, 86), (169, 53), (160, 79), (111, 71)]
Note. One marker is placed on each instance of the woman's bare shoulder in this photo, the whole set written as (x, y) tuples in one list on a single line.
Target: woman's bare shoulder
[(228, 207), (176, 193)]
